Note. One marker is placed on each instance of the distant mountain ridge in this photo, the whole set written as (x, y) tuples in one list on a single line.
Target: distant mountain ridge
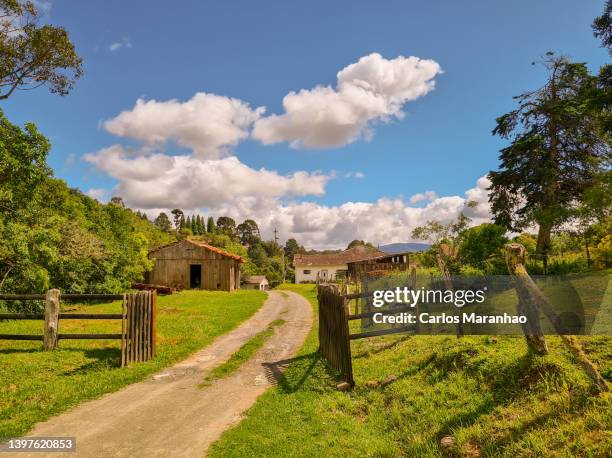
[(392, 248)]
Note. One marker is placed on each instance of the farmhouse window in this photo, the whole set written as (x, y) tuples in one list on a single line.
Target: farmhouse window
[(306, 271)]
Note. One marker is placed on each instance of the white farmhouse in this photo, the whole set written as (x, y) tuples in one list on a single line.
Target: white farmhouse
[(326, 267)]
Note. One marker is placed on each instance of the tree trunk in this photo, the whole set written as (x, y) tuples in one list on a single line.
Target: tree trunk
[(588, 252), (543, 243)]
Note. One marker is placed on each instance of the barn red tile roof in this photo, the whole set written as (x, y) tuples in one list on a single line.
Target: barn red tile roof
[(203, 245), (358, 253)]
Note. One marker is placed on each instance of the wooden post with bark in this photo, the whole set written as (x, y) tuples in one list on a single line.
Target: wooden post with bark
[(444, 254), (527, 298), (52, 308), (533, 301)]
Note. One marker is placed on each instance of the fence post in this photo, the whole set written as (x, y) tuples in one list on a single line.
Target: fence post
[(445, 253), (515, 258), (52, 307), (529, 292), (153, 322)]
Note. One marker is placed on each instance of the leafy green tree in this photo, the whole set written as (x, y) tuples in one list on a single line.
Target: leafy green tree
[(22, 163), (177, 215), (116, 200), (248, 232), (227, 226), (602, 27), (527, 240), (356, 243), (257, 254), (556, 150), (211, 228), (163, 222), (292, 247), (196, 225), (33, 55), (435, 232), (481, 246)]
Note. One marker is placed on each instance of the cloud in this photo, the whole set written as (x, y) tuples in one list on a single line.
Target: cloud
[(101, 195), (162, 181), (70, 160), (208, 124), (423, 196), (385, 220), (208, 179), (123, 43), (374, 89)]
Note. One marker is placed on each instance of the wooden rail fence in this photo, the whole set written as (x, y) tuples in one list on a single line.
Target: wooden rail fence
[(334, 316), (138, 321)]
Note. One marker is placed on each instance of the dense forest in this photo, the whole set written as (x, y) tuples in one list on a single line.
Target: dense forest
[(55, 236)]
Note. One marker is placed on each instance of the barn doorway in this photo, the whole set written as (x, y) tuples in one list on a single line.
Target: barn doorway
[(195, 276)]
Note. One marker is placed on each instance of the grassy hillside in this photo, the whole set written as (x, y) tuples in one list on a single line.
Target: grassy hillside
[(36, 384), (488, 393)]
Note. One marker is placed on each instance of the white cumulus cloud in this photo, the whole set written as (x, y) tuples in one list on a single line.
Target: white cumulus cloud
[(100, 194), (423, 196), (208, 124), (385, 220), (372, 89), (163, 181)]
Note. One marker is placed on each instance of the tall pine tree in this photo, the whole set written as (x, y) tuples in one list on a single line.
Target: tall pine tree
[(557, 149)]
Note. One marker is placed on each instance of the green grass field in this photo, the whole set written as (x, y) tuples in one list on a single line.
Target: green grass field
[(37, 385), (488, 393)]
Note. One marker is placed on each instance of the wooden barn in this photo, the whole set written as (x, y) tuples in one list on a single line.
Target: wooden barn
[(192, 264)]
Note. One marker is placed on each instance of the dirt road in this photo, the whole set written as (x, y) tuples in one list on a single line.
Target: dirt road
[(168, 414)]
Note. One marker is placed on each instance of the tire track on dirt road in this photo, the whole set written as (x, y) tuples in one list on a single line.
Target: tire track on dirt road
[(168, 414)]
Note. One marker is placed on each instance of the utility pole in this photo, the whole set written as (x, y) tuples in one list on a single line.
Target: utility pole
[(282, 253)]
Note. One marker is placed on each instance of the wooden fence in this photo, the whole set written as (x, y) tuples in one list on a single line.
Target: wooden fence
[(334, 333), (334, 317), (334, 339), (138, 321)]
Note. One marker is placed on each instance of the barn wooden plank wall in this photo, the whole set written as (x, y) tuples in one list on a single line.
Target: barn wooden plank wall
[(138, 327), (172, 267)]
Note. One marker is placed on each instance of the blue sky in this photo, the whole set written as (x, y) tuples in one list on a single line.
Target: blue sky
[(258, 52)]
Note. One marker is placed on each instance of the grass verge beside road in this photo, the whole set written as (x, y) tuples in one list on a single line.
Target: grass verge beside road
[(243, 354), (488, 393), (36, 385)]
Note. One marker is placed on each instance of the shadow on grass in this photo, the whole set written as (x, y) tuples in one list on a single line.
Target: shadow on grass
[(507, 384), (292, 379), (8, 351), (102, 358), (381, 348)]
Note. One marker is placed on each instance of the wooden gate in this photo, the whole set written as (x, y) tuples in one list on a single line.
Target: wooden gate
[(138, 327), (334, 339)]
